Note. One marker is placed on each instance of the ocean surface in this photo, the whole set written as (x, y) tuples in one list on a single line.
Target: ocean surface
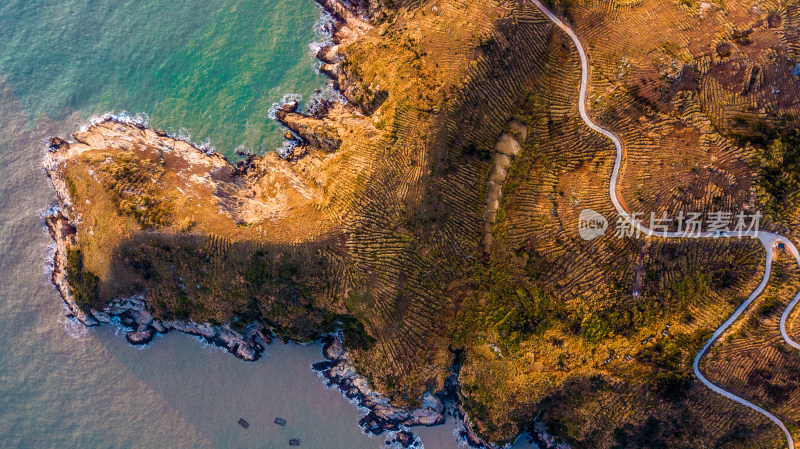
[(210, 71)]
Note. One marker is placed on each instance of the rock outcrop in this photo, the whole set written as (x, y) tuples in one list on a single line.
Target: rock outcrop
[(340, 371)]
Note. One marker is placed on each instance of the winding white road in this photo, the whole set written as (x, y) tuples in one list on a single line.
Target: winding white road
[(768, 239)]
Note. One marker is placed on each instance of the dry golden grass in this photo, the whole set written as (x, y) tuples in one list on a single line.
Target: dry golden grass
[(380, 215)]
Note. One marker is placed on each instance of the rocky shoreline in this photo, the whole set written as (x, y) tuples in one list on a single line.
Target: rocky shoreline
[(347, 23), (339, 371), (133, 314)]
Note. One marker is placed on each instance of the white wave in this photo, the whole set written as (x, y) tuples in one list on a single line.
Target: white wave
[(140, 118), (50, 210), (205, 345), (206, 146), (323, 30), (458, 434), (287, 148), (390, 435), (119, 328), (72, 326), (328, 94), (328, 385), (315, 47), (49, 255), (49, 265), (286, 99), (184, 135)]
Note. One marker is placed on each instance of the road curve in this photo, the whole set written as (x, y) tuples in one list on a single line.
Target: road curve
[(721, 330), (785, 315), (768, 239), (790, 307)]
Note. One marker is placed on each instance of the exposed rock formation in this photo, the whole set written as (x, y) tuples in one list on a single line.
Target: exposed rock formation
[(340, 371)]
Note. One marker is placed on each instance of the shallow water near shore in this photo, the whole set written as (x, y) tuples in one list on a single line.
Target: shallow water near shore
[(213, 69)]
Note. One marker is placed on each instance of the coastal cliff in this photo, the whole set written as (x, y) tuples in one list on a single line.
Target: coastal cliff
[(429, 223)]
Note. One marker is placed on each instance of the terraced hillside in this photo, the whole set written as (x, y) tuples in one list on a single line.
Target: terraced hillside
[(693, 97), (435, 213), (753, 360)]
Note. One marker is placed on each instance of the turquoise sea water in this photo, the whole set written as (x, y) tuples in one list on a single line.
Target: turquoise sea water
[(212, 69)]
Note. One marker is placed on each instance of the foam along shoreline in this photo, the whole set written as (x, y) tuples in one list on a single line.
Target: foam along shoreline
[(339, 23)]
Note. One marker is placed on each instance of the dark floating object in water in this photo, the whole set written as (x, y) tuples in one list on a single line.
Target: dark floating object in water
[(294, 442), (244, 423), (280, 421)]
